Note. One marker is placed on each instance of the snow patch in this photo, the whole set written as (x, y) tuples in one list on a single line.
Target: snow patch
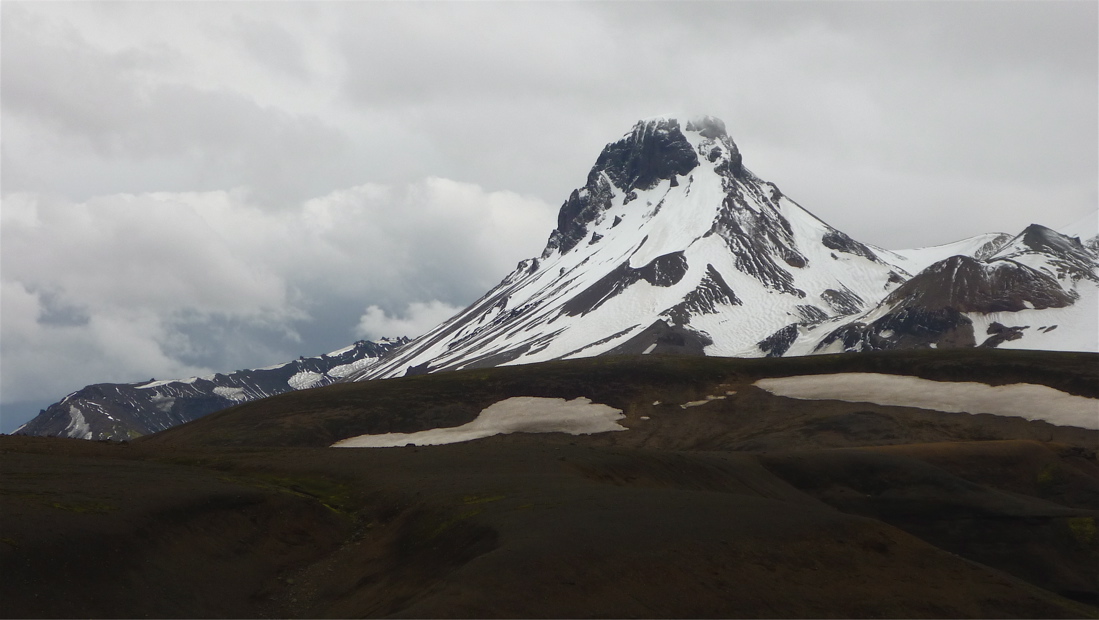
[(78, 427), (274, 366), (521, 414), (341, 371), (305, 379), (1025, 400), (339, 352), (232, 393)]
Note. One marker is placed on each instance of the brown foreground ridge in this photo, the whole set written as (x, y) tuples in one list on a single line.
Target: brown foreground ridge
[(751, 505)]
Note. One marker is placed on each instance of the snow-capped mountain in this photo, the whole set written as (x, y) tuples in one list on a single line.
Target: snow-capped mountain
[(120, 411), (1036, 291), (673, 245)]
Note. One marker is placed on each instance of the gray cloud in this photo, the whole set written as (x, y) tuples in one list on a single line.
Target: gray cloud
[(124, 286)]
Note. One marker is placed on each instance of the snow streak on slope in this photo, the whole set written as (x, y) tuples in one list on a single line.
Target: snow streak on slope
[(916, 260)]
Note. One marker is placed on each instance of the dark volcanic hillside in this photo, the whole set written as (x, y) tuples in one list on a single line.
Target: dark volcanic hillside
[(642, 386), (718, 499)]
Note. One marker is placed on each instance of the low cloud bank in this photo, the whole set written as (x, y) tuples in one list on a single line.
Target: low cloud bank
[(125, 287)]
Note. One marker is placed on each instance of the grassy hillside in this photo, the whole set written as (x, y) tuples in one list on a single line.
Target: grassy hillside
[(748, 506), (322, 416)]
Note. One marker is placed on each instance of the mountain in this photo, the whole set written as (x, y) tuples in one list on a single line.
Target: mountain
[(121, 411), (1037, 291), (674, 246)]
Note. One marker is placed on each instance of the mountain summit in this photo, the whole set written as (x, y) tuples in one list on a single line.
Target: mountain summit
[(674, 246)]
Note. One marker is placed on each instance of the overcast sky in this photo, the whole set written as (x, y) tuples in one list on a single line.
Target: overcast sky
[(198, 187)]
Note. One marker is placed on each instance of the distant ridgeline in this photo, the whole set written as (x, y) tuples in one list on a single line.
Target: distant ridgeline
[(121, 411)]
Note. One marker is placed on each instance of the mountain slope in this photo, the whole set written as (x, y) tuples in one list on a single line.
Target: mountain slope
[(1037, 291), (120, 411), (673, 246)]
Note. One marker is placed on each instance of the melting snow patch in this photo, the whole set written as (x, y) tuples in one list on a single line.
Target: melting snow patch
[(78, 427), (304, 379), (521, 414), (343, 370), (695, 403), (232, 393), (1026, 400)]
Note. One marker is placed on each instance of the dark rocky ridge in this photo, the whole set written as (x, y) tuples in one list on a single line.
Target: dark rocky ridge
[(706, 298), (663, 270), (927, 310), (1068, 255), (123, 411), (968, 285), (907, 328), (654, 151)]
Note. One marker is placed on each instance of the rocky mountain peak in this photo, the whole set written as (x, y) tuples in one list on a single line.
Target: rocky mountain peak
[(655, 150)]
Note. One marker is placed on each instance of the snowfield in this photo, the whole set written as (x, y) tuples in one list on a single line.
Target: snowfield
[(521, 414), (305, 380), (232, 393), (1025, 400)]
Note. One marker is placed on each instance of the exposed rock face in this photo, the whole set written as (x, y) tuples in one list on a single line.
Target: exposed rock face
[(907, 328), (836, 240), (653, 152), (779, 342), (121, 411), (662, 271), (1064, 257), (707, 298), (968, 285)]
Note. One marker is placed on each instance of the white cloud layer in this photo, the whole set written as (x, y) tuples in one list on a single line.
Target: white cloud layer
[(123, 287), (416, 320)]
